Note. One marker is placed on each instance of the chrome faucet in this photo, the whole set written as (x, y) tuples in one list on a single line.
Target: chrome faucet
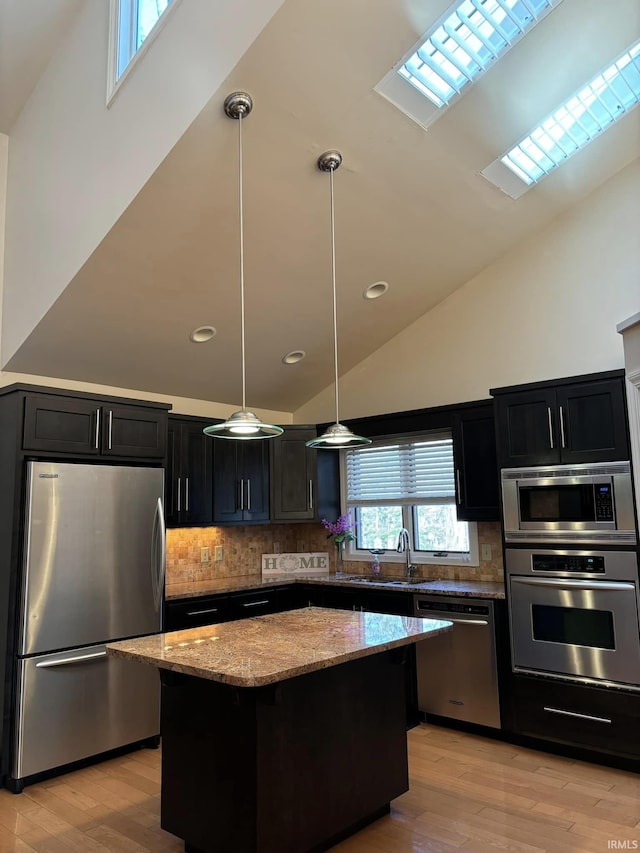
[(404, 546)]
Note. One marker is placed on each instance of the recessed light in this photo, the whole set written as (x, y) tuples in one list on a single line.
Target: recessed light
[(202, 334), (375, 290), (294, 356)]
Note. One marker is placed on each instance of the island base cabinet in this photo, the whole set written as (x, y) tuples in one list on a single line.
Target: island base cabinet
[(289, 768)]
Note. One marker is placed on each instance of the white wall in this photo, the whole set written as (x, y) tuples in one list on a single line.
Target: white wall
[(547, 309), (75, 165), (181, 405)]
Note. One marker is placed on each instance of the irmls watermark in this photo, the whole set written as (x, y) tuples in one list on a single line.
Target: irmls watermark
[(622, 844)]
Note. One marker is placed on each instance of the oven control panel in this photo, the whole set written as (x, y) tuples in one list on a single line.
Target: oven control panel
[(581, 563)]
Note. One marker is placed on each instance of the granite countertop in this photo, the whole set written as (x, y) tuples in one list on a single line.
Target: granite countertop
[(259, 651), (467, 588)]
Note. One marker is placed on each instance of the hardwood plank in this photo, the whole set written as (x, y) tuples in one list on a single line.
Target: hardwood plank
[(468, 794)]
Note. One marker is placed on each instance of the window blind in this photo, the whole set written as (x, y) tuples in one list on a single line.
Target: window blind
[(404, 471)]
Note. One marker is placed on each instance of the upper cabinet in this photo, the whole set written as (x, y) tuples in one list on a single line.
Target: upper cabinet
[(476, 466), (472, 428), (304, 482), (189, 480), (89, 426), (575, 420), (241, 481)]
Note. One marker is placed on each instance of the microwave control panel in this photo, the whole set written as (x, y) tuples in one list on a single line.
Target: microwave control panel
[(603, 502)]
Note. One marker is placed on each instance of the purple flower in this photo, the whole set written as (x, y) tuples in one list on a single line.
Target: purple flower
[(340, 529)]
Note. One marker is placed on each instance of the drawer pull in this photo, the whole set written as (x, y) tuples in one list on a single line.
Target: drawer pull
[(255, 603), (202, 612), (579, 716)]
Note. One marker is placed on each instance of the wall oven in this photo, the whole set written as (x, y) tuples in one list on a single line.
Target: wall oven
[(574, 614), (569, 504)]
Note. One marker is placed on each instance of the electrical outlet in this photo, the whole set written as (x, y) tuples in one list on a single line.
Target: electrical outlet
[(485, 552), (276, 547), (218, 553), (204, 555)]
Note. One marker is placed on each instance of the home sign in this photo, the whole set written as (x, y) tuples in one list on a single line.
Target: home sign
[(279, 565)]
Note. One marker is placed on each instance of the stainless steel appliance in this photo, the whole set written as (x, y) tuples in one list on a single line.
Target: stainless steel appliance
[(574, 614), (93, 571), (569, 504), (457, 671)]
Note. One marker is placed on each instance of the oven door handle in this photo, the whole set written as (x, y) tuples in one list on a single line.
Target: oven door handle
[(568, 584)]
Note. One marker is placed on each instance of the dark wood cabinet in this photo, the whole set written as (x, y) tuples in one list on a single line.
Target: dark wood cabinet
[(476, 464), (244, 605), (225, 607), (572, 421), (294, 483), (194, 612), (577, 715), (305, 483), (240, 482), (472, 427), (93, 427), (189, 482)]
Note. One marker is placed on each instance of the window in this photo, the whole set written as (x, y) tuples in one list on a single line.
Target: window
[(407, 483), (132, 21), (575, 123), (468, 39)]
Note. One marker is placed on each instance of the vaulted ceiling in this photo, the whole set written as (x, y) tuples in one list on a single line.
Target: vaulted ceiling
[(411, 207)]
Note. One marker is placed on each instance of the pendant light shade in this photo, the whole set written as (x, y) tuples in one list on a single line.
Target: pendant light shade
[(337, 436), (242, 425)]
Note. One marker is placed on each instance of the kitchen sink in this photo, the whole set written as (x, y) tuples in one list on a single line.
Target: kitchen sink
[(388, 581)]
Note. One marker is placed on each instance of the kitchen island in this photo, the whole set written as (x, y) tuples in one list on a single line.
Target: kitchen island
[(282, 733)]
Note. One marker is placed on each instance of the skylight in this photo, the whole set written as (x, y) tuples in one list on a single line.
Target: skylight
[(574, 124), (467, 40)]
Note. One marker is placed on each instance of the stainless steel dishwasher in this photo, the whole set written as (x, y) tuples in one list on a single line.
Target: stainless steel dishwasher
[(456, 671)]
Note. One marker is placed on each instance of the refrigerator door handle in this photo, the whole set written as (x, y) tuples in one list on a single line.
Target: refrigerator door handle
[(159, 552), (45, 664)]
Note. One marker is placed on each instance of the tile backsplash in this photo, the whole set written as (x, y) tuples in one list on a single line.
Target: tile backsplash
[(243, 547)]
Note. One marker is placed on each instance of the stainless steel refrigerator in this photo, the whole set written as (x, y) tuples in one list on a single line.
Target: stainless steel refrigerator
[(93, 571)]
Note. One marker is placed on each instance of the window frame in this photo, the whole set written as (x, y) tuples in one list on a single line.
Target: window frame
[(352, 553), (115, 81)]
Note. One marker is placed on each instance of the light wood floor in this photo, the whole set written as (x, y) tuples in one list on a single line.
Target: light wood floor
[(467, 793)]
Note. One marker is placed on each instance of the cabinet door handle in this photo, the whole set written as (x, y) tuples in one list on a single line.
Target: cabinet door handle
[(579, 716), (97, 429), (242, 495), (458, 486), (310, 494), (179, 494), (249, 494), (186, 494), (550, 428), (110, 427), (202, 612), (255, 603), (562, 426)]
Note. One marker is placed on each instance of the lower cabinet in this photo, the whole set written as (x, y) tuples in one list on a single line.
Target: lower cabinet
[(194, 612), (592, 718), (210, 609)]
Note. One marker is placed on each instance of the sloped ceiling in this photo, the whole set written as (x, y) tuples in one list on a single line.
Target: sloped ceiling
[(411, 208)]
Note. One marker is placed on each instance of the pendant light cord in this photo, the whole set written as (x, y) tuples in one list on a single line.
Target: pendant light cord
[(333, 283), (241, 209)]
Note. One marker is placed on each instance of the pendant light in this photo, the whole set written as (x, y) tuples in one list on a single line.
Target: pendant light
[(242, 425), (337, 436)]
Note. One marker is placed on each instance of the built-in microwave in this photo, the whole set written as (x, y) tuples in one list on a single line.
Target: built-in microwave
[(586, 504)]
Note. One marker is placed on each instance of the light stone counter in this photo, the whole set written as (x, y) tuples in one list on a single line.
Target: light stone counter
[(470, 588), (270, 649)]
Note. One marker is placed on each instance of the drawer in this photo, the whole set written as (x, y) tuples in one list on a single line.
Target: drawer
[(589, 717), (248, 604), (193, 612)]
